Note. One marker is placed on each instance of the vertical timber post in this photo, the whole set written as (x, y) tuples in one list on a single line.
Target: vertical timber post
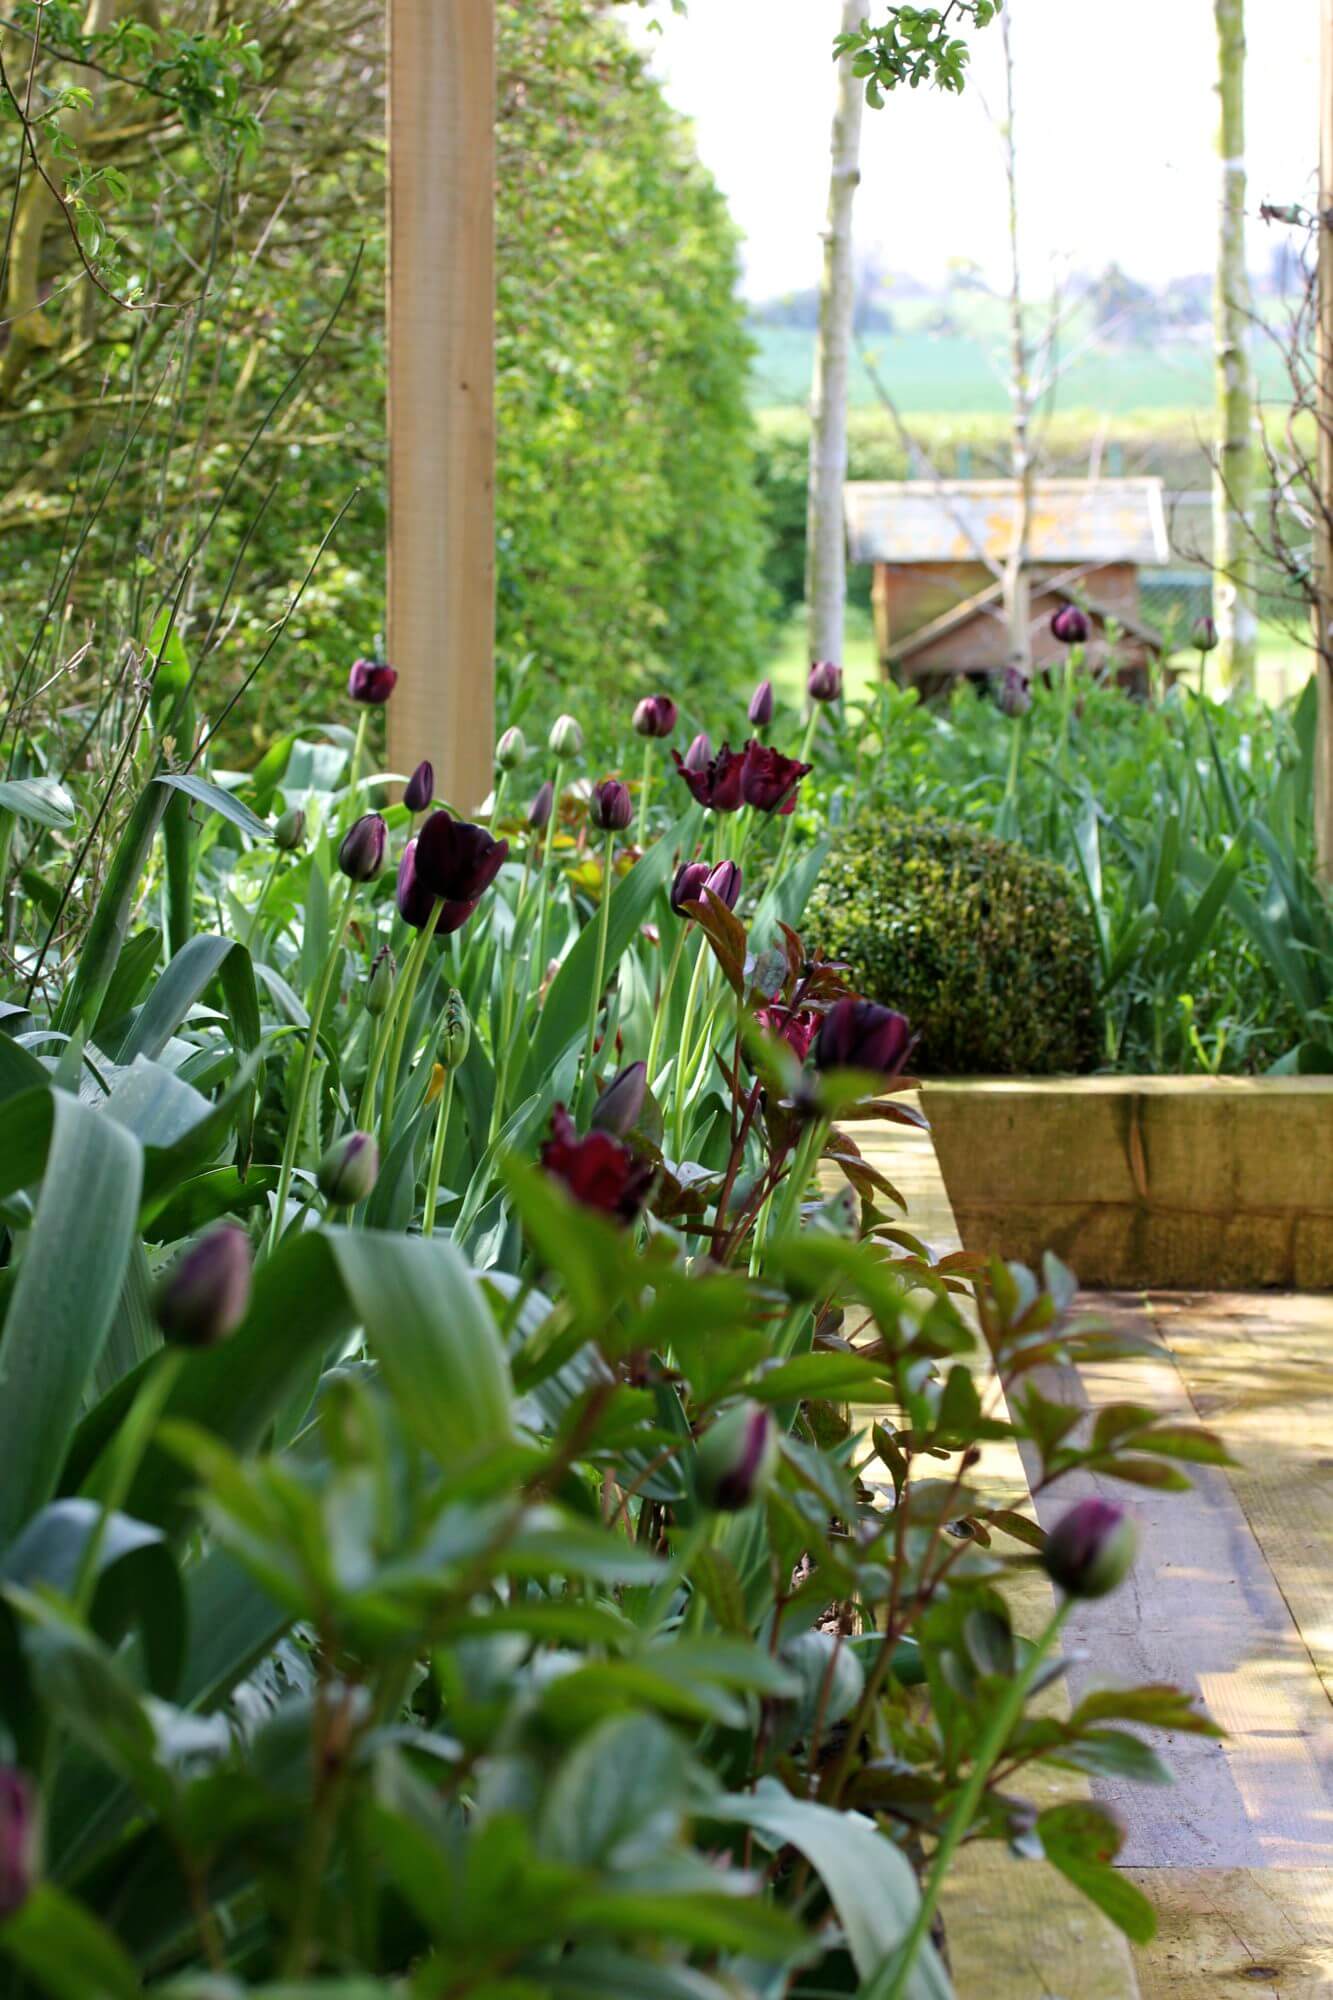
[(1234, 464), (1323, 636), (441, 347)]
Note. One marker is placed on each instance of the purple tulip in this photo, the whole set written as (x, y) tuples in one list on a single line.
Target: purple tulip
[(769, 780), (688, 886), (420, 787), (610, 807), (18, 1839), (1015, 696), (450, 863), (597, 1170), (617, 1109), (1090, 1549), (699, 755), (349, 1169), (539, 812), (825, 681), (858, 1034), (1070, 625), (371, 682), (1205, 634), (656, 715), (716, 781), (761, 705), (361, 855), (205, 1294), (725, 882), (736, 1458)]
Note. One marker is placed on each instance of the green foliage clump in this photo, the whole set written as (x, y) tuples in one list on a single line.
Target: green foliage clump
[(985, 948)]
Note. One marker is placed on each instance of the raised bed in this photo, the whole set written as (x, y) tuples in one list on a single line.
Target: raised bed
[(1216, 1183)]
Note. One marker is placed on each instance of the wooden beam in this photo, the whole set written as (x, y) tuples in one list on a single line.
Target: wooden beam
[(441, 344)]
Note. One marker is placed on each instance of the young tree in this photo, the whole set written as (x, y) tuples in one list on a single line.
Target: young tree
[(1233, 477), (1017, 583), (1322, 511)]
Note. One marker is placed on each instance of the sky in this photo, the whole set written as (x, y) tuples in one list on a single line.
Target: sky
[(1114, 125)]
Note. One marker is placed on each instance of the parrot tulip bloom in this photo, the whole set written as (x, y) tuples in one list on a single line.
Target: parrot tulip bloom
[(769, 780), (714, 781), (598, 1170)]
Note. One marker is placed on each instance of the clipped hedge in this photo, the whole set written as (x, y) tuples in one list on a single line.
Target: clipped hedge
[(986, 948)]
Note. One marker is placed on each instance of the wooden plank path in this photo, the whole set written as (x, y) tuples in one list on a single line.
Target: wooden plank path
[(1232, 1597)]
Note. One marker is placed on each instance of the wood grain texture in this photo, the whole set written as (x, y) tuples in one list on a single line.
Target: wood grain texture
[(1236, 1931), (441, 342)]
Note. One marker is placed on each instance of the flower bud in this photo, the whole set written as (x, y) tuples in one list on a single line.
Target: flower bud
[(1205, 634), (688, 886), (1015, 696), (349, 1170), (825, 681), (700, 753), (610, 806), (725, 882), (617, 1109), (361, 855), (736, 1458), (18, 1839), (456, 1038), (204, 1296), (656, 715), (761, 705), (420, 787), (289, 831), (858, 1034), (1090, 1549), (539, 812), (566, 738), (511, 750), (1070, 625), (379, 987), (371, 682)]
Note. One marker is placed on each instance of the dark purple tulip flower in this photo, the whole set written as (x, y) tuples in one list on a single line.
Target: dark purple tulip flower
[(769, 780), (1090, 1549), (656, 715), (688, 886), (420, 787), (610, 807), (858, 1034), (725, 882), (204, 1296), (598, 1170), (361, 855), (736, 1458), (716, 782), (451, 862), (1070, 625), (1015, 695), (18, 1839), (617, 1109), (1205, 635), (700, 753), (539, 812), (372, 682), (825, 681), (761, 705)]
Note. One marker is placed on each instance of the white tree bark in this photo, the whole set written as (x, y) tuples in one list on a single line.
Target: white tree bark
[(1017, 575), (825, 535), (1233, 476), (1323, 773)]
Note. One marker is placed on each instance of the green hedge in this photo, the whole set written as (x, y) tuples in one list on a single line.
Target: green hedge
[(984, 947)]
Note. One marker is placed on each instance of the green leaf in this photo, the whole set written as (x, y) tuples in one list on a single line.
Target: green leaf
[(41, 799), (618, 1797), (217, 801), (62, 1946), (1082, 1842)]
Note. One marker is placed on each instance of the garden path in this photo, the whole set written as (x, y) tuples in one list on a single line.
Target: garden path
[(1232, 1597)]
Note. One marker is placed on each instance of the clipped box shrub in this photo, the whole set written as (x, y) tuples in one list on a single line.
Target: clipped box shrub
[(985, 947)]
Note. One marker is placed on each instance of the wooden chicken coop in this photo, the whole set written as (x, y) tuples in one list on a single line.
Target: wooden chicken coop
[(938, 547)]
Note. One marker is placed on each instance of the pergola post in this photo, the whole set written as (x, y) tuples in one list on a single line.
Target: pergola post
[(1323, 771), (441, 367)]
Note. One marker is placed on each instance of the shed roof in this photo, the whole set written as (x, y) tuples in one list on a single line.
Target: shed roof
[(970, 520)]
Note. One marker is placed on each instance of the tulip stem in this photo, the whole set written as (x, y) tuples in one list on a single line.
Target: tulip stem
[(124, 1459), (354, 769), (891, 1982), (405, 994), (664, 999), (547, 845), (809, 1148), (1011, 782), (807, 744), (437, 1155), (603, 929), (642, 834), (296, 1110), (269, 875), (682, 1077)]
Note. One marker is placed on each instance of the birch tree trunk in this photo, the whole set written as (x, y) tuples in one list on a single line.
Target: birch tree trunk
[(825, 539), (1233, 474), (1323, 513), (1017, 575)]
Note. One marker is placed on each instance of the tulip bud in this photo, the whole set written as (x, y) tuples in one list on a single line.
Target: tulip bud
[(725, 882), (1070, 625), (617, 1109), (610, 807), (18, 1839), (289, 831), (688, 886), (566, 738), (511, 750), (371, 682), (1090, 1549), (361, 855), (825, 681), (349, 1170), (420, 787), (761, 705), (656, 715), (379, 987), (1015, 696), (204, 1296), (735, 1460), (858, 1034), (1205, 634), (539, 812), (700, 753), (457, 1035)]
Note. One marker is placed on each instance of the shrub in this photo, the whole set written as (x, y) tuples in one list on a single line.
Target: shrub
[(985, 947)]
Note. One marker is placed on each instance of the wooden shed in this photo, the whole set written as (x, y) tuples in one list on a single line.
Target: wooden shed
[(938, 548)]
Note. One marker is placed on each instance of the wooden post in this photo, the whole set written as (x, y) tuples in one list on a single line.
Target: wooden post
[(1323, 637), (441, 341), (1233, 475)]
